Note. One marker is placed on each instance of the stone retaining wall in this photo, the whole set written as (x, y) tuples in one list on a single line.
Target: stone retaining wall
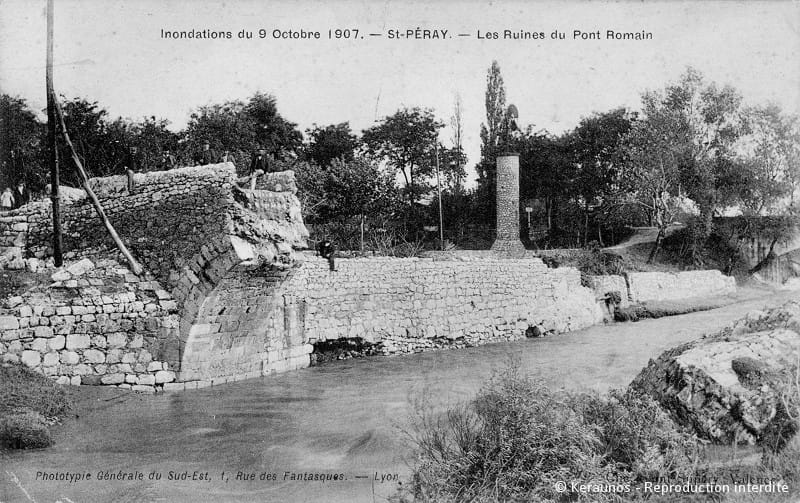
[(418, 299), (94, 325), (649, 286)]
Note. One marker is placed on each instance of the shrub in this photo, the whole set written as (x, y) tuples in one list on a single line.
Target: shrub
[(21, 387), (24, 430), (640, 437), (518, 438), (28, 401)]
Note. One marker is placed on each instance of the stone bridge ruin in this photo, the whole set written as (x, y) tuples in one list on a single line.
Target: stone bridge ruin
[(228, 294)]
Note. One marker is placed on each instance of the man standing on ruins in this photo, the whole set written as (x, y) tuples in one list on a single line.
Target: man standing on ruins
[(167, 160), (133, 161), (21, 195), (206, 156), (259, 165), (228, 157), (327, 251)]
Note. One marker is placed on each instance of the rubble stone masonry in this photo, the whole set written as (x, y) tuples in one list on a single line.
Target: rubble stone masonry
[(227, 296)]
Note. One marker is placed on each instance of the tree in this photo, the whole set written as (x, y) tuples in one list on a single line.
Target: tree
[(770, 171), (547, 174), (88, 126), (700, 126), (336, 141), (594, 146), (241, 127), (406, 140), (651, 176), (21, 144), (451, 168), (102, 144), (152, 136), (272, 131), (495, 101), (456, 154), (359, 188), (709, 125), (225, 126)]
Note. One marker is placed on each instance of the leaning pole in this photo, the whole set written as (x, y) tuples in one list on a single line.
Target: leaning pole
[(55, 181)]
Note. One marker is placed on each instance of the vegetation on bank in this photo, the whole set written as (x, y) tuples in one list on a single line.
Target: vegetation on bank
[(29, 404), (519, 440), (662, 308)]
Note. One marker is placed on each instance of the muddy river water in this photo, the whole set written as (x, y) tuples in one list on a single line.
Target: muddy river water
[(257, 440)]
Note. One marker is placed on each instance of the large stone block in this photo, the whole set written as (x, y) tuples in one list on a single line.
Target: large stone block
[(31, 358), (77, 341), (727, 386), (9, 323), (94, 356)]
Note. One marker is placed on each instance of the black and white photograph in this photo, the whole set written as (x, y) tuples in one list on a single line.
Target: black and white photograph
[(399, 251)]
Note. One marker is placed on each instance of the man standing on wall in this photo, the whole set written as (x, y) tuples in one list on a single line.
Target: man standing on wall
[(327, 251), (21, 195), (227, 156), (167, 160), (206, 156), (259, 165), (133, 161)]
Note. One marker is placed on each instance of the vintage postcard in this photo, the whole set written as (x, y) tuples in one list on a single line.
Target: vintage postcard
[(355, 251)]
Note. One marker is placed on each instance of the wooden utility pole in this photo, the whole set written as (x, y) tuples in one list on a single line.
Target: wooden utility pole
[(51, 142), (439, 193)]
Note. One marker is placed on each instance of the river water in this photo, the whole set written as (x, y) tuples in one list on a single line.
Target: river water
[(346, 418)]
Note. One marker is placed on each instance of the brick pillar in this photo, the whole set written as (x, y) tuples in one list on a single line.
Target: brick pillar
[(507, 239)]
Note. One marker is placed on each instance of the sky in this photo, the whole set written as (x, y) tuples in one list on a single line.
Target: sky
[(113, 52)]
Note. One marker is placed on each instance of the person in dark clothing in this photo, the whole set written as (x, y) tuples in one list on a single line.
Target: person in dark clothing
[(167, 160), (133, 161), (260, 161), (327, 251), (206, 156), (259, 165), (227, 156), (21, 195)]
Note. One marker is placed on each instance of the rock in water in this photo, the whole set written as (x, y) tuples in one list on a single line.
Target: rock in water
[(728, 386)]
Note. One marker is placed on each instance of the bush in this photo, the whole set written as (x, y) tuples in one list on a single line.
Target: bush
[(639, 436), (518, 438), (24, 430), (28, 402), (22, 388)]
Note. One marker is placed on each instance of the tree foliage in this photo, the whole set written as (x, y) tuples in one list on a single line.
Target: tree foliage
[(770, 171), (490, 133), (335, 141), (241, 127), (21, 144), (406, 141)]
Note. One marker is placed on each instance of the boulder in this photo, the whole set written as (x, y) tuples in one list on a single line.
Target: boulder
[(730, 386)]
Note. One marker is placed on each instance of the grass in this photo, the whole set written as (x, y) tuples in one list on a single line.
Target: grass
[(29, 403), (518, 439), (661, 308)]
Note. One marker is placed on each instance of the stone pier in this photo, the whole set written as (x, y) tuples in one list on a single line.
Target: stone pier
[(507, 239)]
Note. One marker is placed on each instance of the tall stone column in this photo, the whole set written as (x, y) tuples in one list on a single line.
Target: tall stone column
[(507, 239)]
